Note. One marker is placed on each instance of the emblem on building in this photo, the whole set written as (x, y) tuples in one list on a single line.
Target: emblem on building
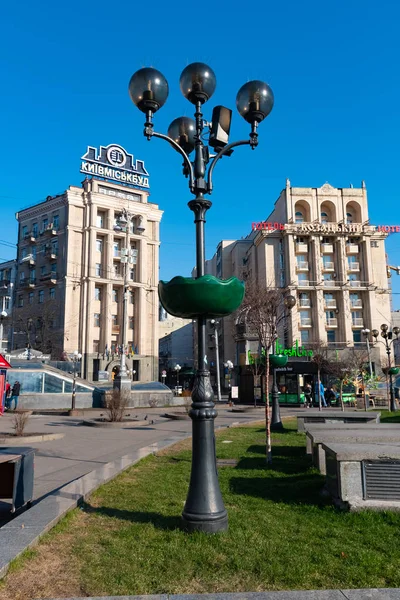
[(114, 163)]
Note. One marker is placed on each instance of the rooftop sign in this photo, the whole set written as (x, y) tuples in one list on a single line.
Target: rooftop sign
[(114, 163), (321, 227)]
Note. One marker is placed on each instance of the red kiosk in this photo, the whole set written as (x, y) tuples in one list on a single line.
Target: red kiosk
[(4, 365)]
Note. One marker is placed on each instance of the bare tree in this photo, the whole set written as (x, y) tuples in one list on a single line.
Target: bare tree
[(264, 311), (321, 359), (39, 323)]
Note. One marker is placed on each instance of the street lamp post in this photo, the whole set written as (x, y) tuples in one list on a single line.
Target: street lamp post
[(3, 314), (276, 422), (204, 508), (388, 342), (122, 380), (76, 359), (366, 333), (177, 368), (215, 324)]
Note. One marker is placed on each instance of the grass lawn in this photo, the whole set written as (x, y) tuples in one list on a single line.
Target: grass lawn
[(282, 535), (390, 417)]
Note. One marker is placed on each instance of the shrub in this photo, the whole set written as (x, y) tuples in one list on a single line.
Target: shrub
[(20, 421), (117, 403)]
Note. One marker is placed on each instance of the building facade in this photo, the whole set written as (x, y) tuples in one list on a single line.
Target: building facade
[(69, 291), (175, 348), (318, 245), (8, 272)]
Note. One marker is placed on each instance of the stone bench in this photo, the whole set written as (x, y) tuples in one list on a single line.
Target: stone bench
[(363, 475), (326, 416), (368, 435)]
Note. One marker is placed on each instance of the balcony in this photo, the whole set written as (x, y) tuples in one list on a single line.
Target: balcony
[(356, 303), (352, 249), (115, 329), (301, 248), (330, 283), (50, 278), (329, 303), (331, 323), (30, 282), (305, 303), (303, 283), (305, 323), (328, 266), (50, 230), (353, 266), (31, 236), (358, 322), (354, 283), (302, 266), (51, 254), (29, 260), (326, 248)]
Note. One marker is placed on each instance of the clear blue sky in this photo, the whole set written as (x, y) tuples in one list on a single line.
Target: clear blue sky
[(333, 66)]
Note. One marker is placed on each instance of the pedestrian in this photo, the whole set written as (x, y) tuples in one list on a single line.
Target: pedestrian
[(15, 394), (330, 396), (322, 394), (7, 395), (307, 396)]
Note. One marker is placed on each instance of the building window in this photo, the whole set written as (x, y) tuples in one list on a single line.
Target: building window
[(100, 220), (116, 270), (305, 336), (374, 244), (299, 217), (43, 270), (35, 230), (116, 249), (41, 296), (24, 253), (131, 297), (324, 217), (132, 274), (305, 318), (45, 224), (6, 303), (114, 319), (98, 270), (54, 247), (24, 231), (52, 293), (20, 301), (303, 278), (115, 295), (99, 245), (30, 297), (357, 336), (131, 321), (97, 294), (331, 336), (56, 222), (33, 252), (97, 319), (349, 218), (22, 277), (96, 346)]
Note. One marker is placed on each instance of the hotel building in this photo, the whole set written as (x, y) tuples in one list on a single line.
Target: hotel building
[(318, 245), (69, 290)]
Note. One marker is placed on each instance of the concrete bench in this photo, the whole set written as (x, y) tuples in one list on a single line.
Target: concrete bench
[(363, 475), (367, 435), (326, 416)]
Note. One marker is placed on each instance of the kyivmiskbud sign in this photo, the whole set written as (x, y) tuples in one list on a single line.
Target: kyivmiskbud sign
[(295, 350), (115, 164), (321, 227)]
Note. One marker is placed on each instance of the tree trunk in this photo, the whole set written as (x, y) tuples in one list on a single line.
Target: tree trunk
[(341, 396), (267, 413)]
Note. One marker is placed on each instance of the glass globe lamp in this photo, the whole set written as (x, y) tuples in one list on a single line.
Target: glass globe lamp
[(183, 131), (198, 82), (148, 89), (254, 101)]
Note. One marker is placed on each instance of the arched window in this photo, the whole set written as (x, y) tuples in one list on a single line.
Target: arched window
[(324, 217), (349, 218), (299, 217)]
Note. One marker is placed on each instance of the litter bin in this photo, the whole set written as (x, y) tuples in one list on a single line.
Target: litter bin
[(16, 476)]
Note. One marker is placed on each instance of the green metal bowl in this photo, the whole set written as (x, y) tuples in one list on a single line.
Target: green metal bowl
[(394, 371), (205, 296), (278, 360)]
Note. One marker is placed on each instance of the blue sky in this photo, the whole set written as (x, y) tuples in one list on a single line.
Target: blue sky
[(333, 67)]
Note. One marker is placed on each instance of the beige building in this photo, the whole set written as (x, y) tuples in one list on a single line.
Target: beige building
[(72, 251), (319, 245)]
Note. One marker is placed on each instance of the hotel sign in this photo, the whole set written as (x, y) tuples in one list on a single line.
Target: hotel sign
[(321, 227), (114, 163)]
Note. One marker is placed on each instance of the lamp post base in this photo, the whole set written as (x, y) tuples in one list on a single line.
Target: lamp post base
[(217, 524), (122, 383)]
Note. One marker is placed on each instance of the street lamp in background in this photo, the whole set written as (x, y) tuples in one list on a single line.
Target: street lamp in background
[(229, 366), (366, 332), (388, 342), (215, 324), (204, 508), (76, 358), (177, 368), (276, 423), (3, 314)]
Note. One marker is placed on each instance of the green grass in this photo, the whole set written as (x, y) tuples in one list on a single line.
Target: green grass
[(282, 535), (390, 417)]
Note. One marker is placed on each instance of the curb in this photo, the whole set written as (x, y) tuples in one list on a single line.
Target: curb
[(356, 594), (30, 439), (25, 531)]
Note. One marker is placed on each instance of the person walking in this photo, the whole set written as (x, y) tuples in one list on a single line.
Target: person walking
[(15, 394), (7, 396), (330, 396), (308, 395)]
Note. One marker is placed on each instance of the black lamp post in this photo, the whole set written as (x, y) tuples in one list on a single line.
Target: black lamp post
[(276, 423), (388, 342), (204, 509)]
